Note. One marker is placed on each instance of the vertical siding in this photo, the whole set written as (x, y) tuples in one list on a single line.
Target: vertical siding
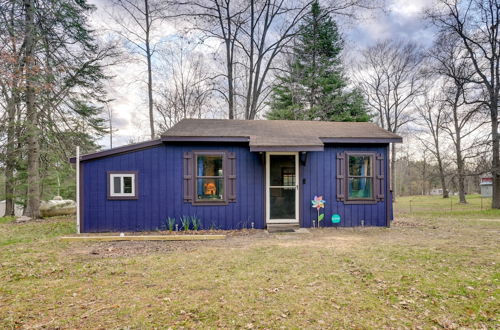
[(160, 180), (160, 191), (320, 172)]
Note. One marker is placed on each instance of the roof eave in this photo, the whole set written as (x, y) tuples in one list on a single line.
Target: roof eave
[(118, 150), (363, 140), (177, 138), (275, 148)]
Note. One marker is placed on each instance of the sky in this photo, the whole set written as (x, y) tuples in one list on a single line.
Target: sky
[(400, 20)]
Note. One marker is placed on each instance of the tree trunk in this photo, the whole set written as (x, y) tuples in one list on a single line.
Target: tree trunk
[(393, 171), (10, 156), (230, 85), (250, 65), (495, 166), (458, 150), (442, 178), (461, 181), (31, 116), (460, 171), (150, 75)]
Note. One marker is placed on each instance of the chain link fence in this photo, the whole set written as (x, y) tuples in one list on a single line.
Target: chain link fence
[(415, 205)]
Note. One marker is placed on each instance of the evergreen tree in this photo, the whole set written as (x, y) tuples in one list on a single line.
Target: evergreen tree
[(53, 91), (315, 87)]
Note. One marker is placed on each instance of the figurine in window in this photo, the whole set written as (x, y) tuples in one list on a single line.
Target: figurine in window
[(210, 188)]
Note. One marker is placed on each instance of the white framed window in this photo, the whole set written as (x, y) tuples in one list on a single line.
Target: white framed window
[(122, 185)]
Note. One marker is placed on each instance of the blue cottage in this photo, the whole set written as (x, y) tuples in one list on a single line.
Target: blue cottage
[(234, 174)]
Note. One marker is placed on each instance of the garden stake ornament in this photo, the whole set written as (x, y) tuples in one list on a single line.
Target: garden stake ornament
[(319, 203)]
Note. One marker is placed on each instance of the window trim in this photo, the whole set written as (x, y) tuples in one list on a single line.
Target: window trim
[(349, 200), (224, 200), (135, 185)]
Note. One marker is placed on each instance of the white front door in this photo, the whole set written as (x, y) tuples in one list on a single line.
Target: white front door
[(282, 187)]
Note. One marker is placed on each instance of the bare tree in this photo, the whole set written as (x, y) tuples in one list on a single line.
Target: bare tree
[(220, 20), (476, 24), (254, 35), (137, 21), (184, 87), (389, 76), (461, 117), (431, 115)]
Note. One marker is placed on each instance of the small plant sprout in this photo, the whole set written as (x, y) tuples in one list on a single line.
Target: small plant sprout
[(171, 223), (185, 221), (195, 222), (318, 203)]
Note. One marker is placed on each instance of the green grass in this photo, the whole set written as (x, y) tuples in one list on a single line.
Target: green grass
[(438, 207), (6, 219), (419, 273)]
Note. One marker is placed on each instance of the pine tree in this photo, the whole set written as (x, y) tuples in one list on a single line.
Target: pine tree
[(315, 87), (53, 88)]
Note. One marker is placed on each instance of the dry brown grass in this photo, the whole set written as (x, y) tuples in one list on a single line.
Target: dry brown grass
[(425, 273)]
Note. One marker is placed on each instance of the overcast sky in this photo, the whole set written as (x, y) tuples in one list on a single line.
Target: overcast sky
[(400, 21)]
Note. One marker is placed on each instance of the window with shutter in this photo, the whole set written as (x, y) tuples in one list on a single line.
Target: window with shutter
[(209, 177), (340, 176), (380, 177), (231, 178), (188, 177), (360, 177)]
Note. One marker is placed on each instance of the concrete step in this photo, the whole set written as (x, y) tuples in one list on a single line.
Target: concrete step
[(282, 228)]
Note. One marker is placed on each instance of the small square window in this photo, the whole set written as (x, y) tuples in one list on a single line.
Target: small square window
[(122, 185)]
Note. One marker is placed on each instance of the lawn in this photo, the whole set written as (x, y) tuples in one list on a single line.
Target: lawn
[(422, 272), (437, 207)]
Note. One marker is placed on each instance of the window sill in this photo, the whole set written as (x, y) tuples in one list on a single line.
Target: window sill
[(361, 201), (208, 203), (118, 198)]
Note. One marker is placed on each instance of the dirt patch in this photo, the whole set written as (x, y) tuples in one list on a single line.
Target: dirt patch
[(235, 239)]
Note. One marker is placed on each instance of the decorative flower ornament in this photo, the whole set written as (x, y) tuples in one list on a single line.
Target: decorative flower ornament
[(318, 202)]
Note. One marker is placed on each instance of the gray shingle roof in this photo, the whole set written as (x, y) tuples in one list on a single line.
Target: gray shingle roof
[(275, 134)]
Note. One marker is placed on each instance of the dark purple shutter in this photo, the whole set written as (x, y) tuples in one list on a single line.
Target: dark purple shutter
[(188, 176), (231, 176), (379, 177), (341, 176)]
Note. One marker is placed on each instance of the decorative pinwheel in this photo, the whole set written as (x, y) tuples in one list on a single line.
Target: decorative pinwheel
[(318, 203)]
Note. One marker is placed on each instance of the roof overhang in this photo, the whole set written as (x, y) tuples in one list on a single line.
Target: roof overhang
[(256, 145), (118, 150), (286, 148), (363, 140), (205, 139)]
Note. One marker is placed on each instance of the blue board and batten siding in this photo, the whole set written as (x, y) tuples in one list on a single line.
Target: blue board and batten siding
[(160, 190), (320, 179)]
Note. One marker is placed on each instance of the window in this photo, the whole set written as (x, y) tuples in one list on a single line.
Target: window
[(122, 185), (360, 177), (209, 177)]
